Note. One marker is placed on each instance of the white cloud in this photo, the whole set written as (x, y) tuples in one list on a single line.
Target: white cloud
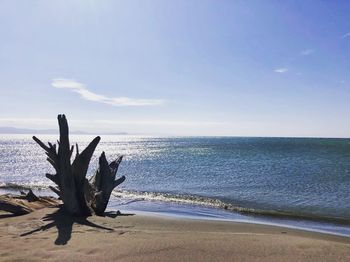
[(307, 52), (67, 83), (281, 70), (346, 35), (86, 94)]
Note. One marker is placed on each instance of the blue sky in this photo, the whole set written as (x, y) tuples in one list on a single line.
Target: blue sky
[(246, 68)]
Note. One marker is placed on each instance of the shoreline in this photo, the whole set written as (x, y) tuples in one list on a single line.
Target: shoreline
[(49, 234), (257, 222), (180, 210), (198, 212)]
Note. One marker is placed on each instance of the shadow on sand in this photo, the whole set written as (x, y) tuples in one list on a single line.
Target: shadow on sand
[(64, 224), (7, 215)]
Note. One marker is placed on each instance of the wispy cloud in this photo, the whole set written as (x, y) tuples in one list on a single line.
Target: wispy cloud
[(281, 70), (86, 94), (346, 35), (307, 52)]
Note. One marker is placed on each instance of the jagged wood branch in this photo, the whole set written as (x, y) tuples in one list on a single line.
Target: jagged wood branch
[(103, 183)]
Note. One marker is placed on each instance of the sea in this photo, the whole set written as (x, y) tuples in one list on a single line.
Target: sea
[(290, 182)]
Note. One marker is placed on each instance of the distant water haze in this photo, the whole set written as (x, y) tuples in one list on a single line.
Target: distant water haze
[(14, 130)]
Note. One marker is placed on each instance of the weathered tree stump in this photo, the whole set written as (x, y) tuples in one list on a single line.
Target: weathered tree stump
[(79, 196)]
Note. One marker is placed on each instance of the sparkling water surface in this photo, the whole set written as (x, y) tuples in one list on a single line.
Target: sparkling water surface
[(299, 176)]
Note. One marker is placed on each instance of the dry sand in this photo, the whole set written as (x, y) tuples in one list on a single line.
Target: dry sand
[(48, 235)]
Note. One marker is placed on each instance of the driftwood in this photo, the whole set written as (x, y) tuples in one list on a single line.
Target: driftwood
[(80, 197), (103, 183), (25, 203)]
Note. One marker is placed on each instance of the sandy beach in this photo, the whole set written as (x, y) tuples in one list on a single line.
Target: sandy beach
[(47, 234)]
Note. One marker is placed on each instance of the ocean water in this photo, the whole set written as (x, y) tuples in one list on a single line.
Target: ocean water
[(296, 179)]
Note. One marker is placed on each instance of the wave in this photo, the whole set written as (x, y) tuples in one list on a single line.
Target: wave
[(14, 186), (187, 199), (219, 204)]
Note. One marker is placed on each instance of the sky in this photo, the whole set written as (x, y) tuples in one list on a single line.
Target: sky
[(184, 67)]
